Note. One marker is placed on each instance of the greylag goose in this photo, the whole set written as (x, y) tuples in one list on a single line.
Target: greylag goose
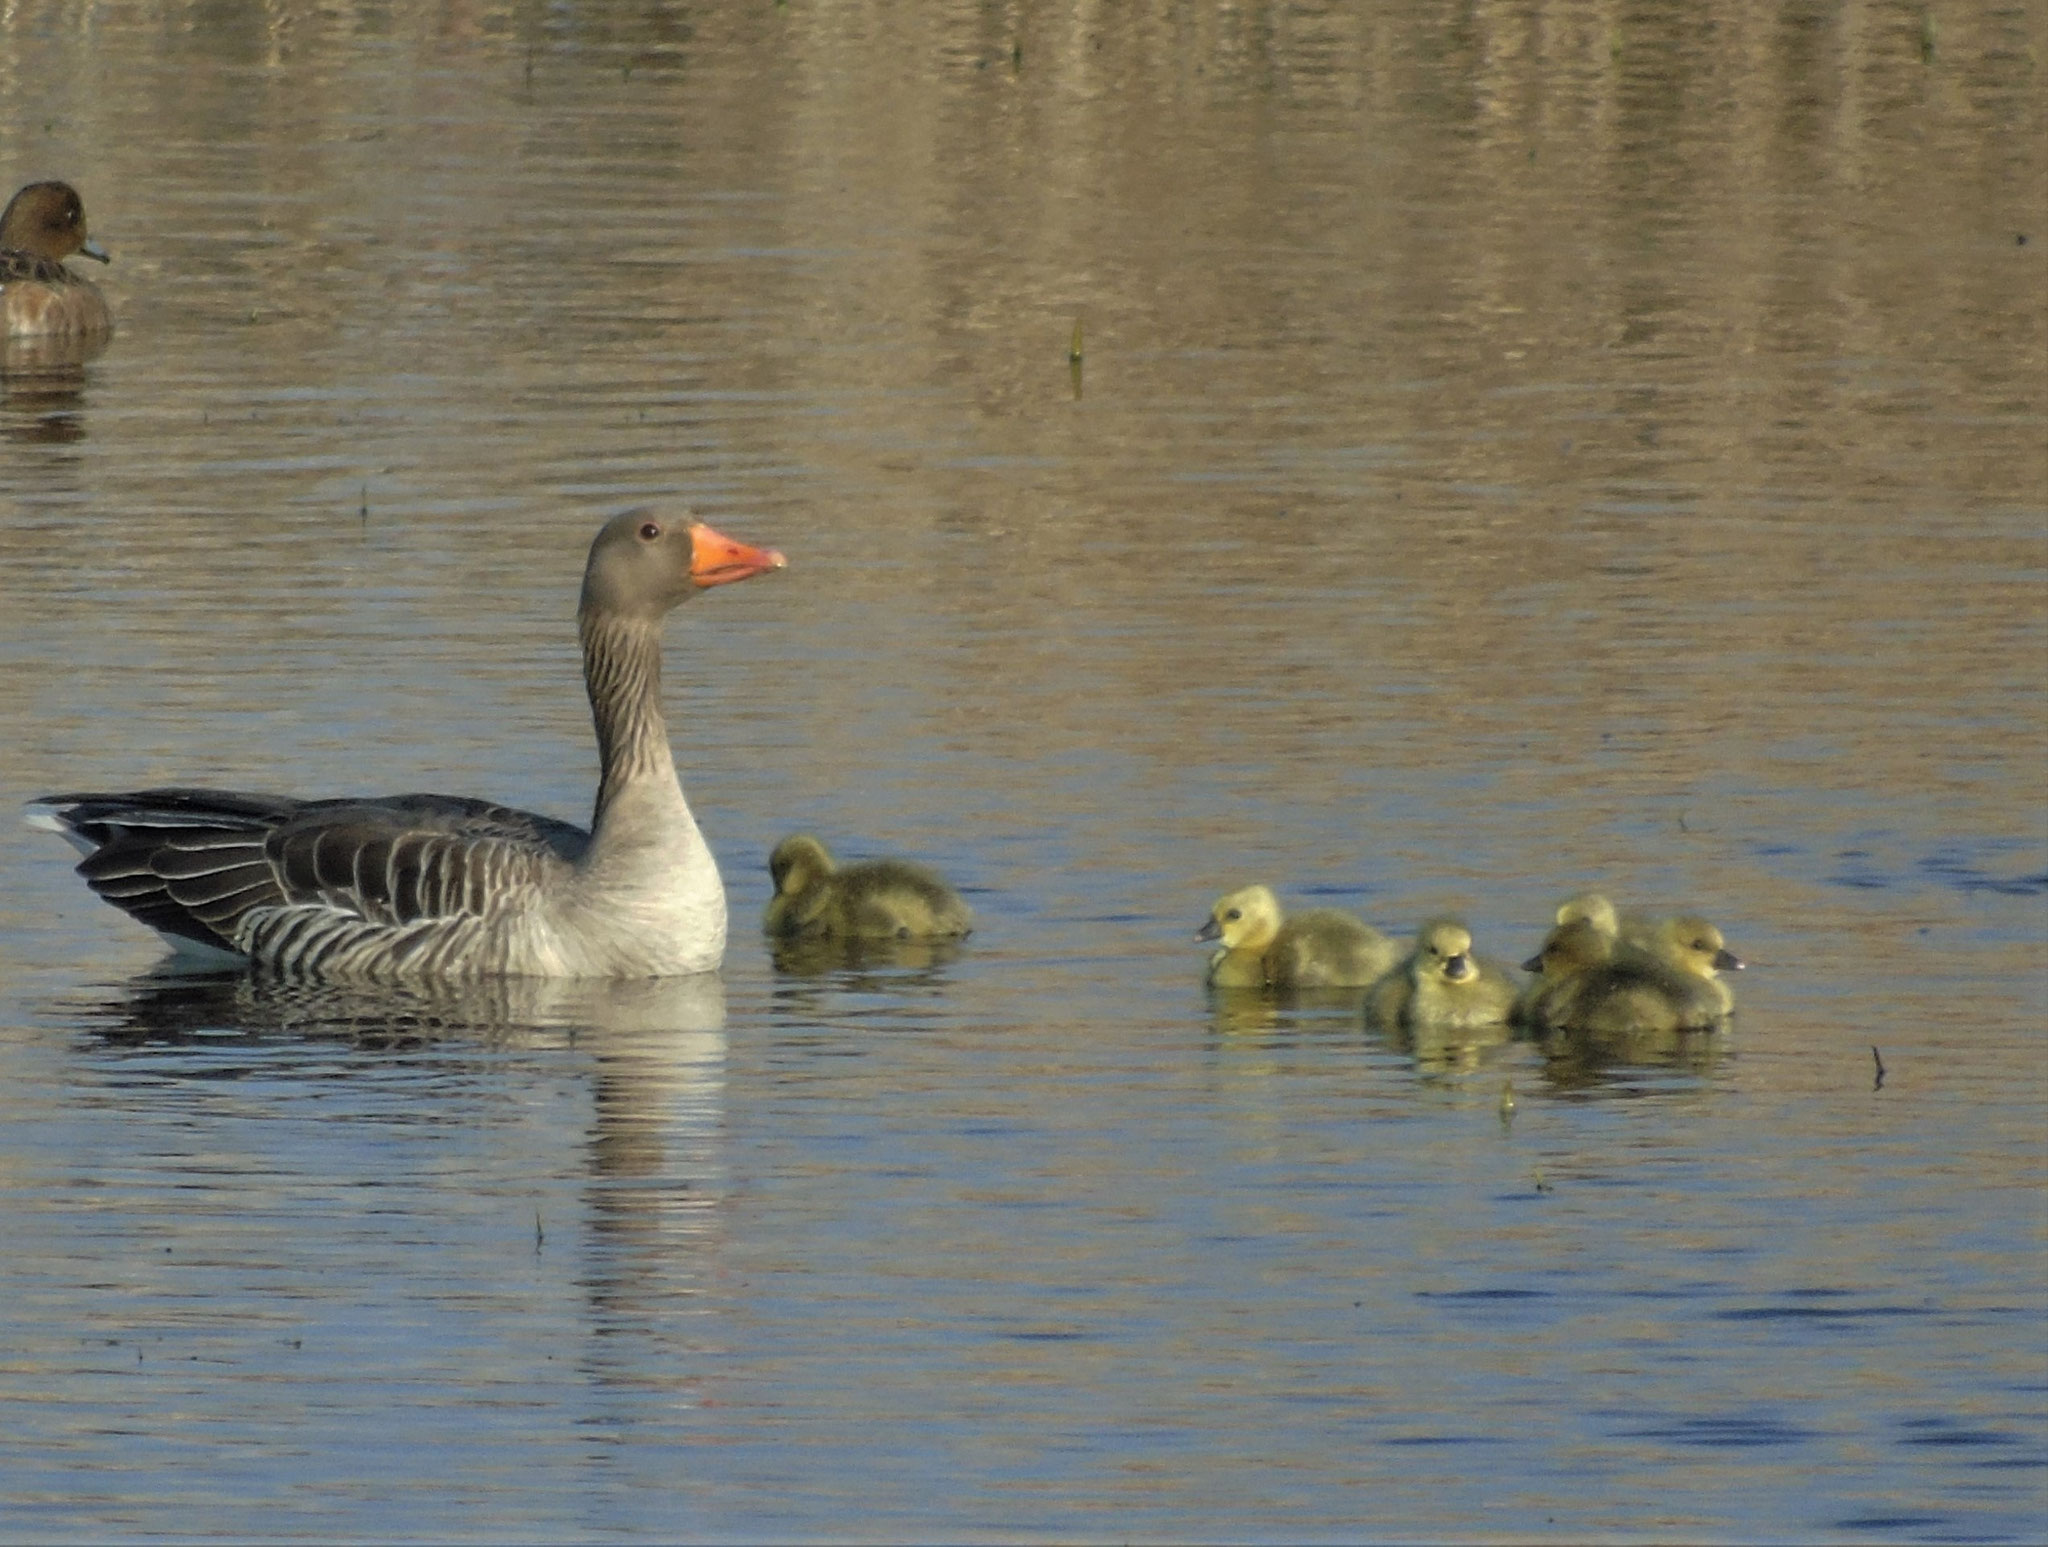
[(1595, 909), (876, 899), (425, 887), (43, 225), (1666, 980), (1441, 986), (1317, 948), (1660, 977), (1574, 947)]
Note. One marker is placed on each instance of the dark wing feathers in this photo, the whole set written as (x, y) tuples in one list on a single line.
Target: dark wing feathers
[(18, 265), (172, 806), (197, 863), (391, 868)]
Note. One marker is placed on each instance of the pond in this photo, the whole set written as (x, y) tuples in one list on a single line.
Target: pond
[(1427, 459)]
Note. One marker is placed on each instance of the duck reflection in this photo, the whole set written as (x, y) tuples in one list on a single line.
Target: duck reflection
[(42, 388)]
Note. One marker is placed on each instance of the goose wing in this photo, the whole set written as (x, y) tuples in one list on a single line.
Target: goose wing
[(292, 882)]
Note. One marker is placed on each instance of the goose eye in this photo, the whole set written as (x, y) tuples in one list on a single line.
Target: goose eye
[(649, 530), (1233, 915)]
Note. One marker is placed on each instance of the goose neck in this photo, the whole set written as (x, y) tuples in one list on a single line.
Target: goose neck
[(622, 669)]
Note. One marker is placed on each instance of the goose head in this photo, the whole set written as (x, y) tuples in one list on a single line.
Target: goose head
[(1571, 947), (643, 563), (1594, 909), (1443, 949), (799, 863), (1244, 920), (48, 220), (1692, 944)]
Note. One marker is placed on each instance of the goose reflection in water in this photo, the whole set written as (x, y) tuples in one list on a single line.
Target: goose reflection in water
[(180, 1008), (638, 1209)]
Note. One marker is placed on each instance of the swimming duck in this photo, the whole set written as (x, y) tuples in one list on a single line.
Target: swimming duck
[(1316, 948), (43, 225), (411, 888), (1441, 985), (1665, 980), (876, 899)]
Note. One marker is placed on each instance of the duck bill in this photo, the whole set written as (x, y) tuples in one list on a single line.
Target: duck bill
[(1210, 930), (716, 559), (1727, 961), (93, 250)]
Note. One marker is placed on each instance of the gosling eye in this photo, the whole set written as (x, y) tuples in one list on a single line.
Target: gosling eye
[(1233, 915), (649, 530)]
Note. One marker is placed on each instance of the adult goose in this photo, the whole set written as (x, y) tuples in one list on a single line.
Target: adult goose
[(429, 887), (42, 226)]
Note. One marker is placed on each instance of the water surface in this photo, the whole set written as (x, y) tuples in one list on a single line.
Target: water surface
[(1513, 449)]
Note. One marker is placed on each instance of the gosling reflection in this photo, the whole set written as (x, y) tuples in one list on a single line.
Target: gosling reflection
[(827, 955), (1617, 1060), (1265, 1012)]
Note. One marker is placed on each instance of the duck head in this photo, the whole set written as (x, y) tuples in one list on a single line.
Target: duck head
[(48, 219)]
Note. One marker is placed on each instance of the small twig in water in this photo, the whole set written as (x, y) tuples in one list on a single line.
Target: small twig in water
[(1879, 1061)]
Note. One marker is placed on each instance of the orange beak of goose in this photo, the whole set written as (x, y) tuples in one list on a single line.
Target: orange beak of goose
[(716, 559)]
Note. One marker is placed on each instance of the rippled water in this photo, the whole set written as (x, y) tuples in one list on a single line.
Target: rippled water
[(1512, 450)]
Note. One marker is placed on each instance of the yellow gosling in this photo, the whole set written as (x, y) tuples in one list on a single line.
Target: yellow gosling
[(1574, 947), (1441, 985), (1668, 982), (1318, 948), (1594, 908), (878, 899)]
